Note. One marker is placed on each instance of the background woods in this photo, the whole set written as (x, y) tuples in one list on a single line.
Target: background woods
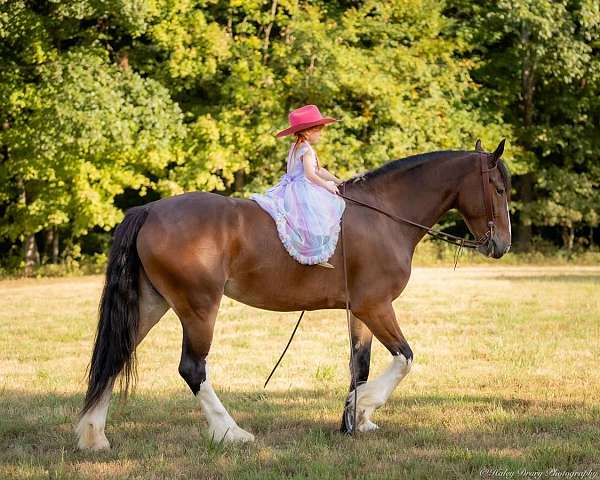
[(109, 104)]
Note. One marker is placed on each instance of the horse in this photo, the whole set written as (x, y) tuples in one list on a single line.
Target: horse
[(185, 252)]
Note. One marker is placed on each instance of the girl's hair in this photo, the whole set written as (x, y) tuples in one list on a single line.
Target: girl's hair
[(301, 137)]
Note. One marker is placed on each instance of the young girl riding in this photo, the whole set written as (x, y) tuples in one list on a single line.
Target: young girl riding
[(305, 204)]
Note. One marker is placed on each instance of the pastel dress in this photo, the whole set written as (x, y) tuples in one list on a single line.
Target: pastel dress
[(307, 215)]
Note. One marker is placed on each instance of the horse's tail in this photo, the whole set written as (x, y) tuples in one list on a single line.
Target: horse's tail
[(114, 347)]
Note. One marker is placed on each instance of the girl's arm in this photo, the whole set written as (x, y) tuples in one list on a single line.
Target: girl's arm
[(327, 175), (309, 172)]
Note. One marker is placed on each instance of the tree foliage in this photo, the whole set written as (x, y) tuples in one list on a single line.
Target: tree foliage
[(109, 103), (540, 66)]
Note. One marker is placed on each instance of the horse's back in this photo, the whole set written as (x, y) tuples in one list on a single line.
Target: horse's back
[(190, 206), (204, 240), (206, 232)]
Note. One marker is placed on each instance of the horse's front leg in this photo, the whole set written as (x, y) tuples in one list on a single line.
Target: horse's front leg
[(361, 338), (381, 320)]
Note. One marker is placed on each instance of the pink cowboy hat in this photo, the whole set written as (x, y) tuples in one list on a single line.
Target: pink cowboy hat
[(304, 117)]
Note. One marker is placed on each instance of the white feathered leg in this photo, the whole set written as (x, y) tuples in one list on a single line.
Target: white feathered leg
[(90, 429), (220, 424), (373, 394)]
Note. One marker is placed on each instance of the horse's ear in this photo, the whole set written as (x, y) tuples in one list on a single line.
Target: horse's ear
[(499, 150), (478, 147)]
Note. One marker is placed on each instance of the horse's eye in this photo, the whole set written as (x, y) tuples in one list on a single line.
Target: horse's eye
[(499, 191)]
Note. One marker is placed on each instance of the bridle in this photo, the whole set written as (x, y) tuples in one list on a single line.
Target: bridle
[(487, 198), (462, 242)]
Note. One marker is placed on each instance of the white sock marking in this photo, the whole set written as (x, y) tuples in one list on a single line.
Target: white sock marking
[(375, 393), (90, 429), (220, 424)]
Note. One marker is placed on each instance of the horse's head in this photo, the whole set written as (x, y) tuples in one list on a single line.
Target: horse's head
[(483, 201)]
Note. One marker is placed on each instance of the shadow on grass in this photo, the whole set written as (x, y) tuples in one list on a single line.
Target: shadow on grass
[(431, 436)]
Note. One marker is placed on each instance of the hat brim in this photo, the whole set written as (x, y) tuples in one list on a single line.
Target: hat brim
[(304, 126)]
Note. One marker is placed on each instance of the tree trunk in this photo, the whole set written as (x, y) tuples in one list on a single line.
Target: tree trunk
[(239, 180), (525, 192), (51, 245), (31, 255), (123, 60), (527, 81), (568, 237), (48, 239), (268, 32), (229, 27), (523, 233), (55, 246)]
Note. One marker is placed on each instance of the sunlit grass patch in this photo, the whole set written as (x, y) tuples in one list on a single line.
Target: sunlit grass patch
[(506, 375)]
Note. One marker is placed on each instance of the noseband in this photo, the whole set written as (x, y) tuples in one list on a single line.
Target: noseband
[(444, 236)]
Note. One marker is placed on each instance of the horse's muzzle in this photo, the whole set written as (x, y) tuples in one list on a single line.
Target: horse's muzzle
[(493, 248)]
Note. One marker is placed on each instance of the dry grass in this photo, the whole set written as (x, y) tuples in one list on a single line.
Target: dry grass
[(506, 376)]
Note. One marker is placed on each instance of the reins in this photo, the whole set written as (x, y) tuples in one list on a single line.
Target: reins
[(460, 242), (437, 234)]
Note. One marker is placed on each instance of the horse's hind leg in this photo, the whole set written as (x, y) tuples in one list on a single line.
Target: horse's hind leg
[(90, 429), (198, 320), (361, 354), (381, 320)]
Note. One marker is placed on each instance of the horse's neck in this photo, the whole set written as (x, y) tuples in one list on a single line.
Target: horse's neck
[(421, 195)]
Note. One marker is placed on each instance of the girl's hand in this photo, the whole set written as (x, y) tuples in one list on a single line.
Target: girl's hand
[(331, 187)]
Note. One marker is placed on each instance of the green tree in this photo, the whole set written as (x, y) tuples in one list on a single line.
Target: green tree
[(387, 70), (77, 130), (539, 68), (170, 96), (567, 200)]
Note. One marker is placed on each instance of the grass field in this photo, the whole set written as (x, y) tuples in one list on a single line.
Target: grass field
[(506, 377)]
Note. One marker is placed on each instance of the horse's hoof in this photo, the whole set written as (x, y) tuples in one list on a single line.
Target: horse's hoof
[(348, 419), (239, 435), (367, 426), (97, 445), (91, 438), (231, 435)]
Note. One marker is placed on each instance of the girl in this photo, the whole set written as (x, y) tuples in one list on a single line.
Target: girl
[(304, 204)]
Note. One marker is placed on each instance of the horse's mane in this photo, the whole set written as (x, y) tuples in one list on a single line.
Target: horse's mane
[(409, 163), (403, 164)]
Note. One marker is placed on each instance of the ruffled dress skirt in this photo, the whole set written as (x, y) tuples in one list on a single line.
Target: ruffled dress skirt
[(307, 217)]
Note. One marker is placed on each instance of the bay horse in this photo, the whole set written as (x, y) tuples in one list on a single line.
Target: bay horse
[(185, 252)]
